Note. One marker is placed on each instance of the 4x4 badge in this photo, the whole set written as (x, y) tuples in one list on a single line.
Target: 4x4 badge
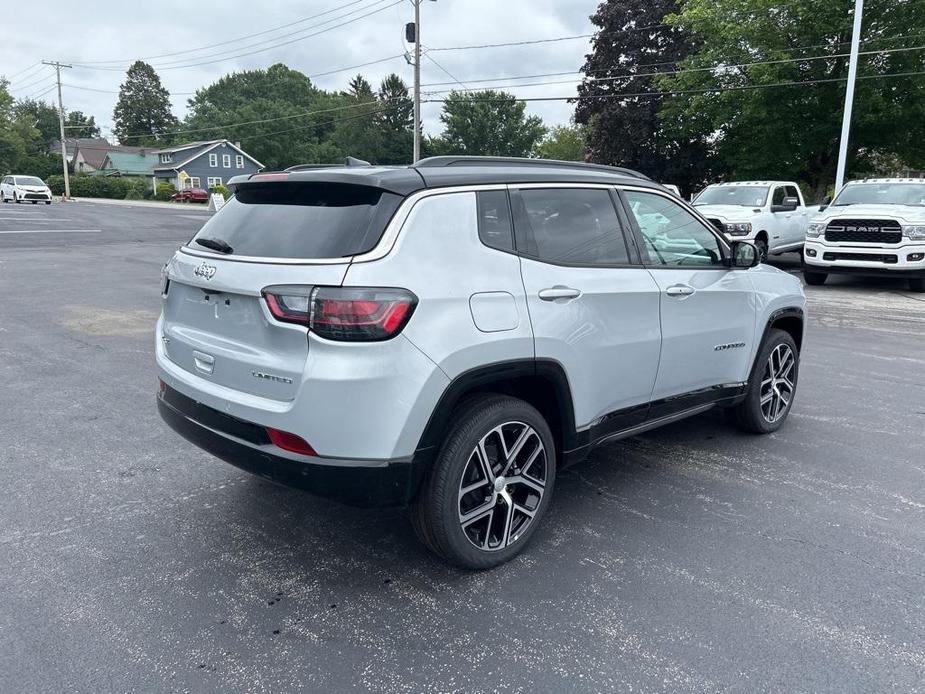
[(206, 271)]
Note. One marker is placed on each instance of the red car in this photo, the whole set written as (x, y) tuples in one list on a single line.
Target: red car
[(191, 195)]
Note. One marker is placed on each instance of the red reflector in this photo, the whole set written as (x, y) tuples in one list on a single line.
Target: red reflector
[(161, 386), (290, 442)]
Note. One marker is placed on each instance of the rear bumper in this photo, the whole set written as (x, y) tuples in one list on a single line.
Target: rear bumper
[(366, 483)]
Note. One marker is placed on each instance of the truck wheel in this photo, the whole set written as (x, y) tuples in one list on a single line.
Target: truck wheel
[(771, 386), (917, 284), (816, 279), (490, 484)]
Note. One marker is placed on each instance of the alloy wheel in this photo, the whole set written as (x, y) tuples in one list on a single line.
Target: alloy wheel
[(777, 385), (502, 485)]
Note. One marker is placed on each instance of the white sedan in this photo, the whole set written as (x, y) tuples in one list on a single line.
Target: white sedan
[(24, 189)]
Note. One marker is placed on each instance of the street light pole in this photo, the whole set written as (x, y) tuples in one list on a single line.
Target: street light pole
[(67, 182), (849, 95), (417, 81)]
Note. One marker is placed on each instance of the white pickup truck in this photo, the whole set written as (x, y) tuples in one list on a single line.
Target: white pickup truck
[(873, 227), (770, 214)]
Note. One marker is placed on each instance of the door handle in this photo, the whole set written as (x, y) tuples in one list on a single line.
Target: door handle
[(680, 290), (559, 292)]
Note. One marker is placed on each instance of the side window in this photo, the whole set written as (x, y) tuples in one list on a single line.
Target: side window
[(494, 212), (792, 192), (572, 226), (671, 235), (779, 194)]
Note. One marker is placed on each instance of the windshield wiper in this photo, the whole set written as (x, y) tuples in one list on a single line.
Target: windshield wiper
[(215, 245)]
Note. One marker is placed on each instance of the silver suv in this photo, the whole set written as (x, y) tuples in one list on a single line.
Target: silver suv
[(447, 336)]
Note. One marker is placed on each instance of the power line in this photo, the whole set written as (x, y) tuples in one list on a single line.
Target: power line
[(24, 87), (224, 43), (12, 78), (187, 131), (683, 92), (593, 80), (223, 58), (354, 67), (670, 62)]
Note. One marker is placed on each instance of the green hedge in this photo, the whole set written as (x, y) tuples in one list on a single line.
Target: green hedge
[(100, 186)]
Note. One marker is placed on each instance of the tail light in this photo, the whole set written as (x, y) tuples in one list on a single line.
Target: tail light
[(349, 314)]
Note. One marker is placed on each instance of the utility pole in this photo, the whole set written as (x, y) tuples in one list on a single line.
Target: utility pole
[(417, 81), (67, 183), (849, 95)]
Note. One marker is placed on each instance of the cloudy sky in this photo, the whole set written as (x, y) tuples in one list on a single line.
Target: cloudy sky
[(101, 38)]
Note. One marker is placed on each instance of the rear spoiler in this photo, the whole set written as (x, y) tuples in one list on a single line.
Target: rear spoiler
[(400, 181)]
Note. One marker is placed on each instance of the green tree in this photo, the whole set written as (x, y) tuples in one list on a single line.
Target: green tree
[(488, 123), (793, 131), (39, 115), (12, 143), (357, 132), (287, 119), (619, 103), (564, 142), (395, 121), (142, 115), (79, 125)]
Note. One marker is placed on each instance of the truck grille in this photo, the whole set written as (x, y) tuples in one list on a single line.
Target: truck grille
[(863, 257), (718, 224), (864, 231)]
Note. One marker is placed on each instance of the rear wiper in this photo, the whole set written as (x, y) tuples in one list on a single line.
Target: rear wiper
[(215, 245)]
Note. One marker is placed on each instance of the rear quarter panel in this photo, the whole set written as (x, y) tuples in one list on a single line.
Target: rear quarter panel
[(458, 280)]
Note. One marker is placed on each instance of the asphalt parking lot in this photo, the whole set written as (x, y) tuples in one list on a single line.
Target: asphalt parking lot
[(693, 558)]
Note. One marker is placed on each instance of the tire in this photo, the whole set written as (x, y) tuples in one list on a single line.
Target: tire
[(755, 414), (917, 284), (491, 535), (48, 202), (35, 202), (15, 199), (815, 279)]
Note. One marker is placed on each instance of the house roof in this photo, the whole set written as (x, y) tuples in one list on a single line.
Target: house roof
[(187, 145), (94, 151), (130, 163), (192, 150), (72, 143)]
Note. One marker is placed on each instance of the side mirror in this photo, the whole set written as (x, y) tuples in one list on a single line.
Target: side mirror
[(788, 205), (744, 255)]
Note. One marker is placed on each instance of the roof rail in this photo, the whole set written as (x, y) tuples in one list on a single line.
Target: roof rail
[(311, 167), (453, 160), (348, 161)]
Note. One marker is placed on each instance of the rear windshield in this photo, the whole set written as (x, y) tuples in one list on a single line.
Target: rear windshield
[(299, 220)]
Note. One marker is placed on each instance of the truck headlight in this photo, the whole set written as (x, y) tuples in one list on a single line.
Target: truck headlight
[(815, 229), (916, 231), (738, 228)]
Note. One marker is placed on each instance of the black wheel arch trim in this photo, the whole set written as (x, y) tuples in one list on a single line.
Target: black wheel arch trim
[(791, 312), (480, 378)]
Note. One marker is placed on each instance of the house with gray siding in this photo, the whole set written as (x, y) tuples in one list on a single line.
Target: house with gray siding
[(203, 164)]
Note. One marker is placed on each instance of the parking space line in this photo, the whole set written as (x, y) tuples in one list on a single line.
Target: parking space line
[(50, 231), (38, 219)]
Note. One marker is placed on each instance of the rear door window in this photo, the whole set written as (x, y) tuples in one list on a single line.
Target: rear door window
[(495, 228), (570, 226), (301, 220)]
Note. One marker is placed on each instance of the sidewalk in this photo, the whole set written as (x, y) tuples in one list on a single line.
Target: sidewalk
[(185, 206)]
